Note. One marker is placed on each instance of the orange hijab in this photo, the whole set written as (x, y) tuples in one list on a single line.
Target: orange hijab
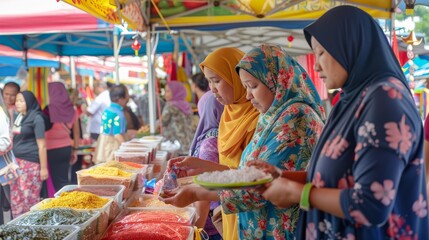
[(238, 121)]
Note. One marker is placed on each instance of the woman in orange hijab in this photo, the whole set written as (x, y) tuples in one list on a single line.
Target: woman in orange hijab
[(236, 128)]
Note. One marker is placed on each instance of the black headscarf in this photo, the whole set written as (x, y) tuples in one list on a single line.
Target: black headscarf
[(357, 42), (33, 107)]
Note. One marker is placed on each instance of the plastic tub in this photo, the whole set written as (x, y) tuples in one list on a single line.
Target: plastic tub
[(73, 235), (159, 167), (152, 229), (188, 213), (104, 211), (112, 191), (137, 143), (86, 230), (137, 157), (161, 155), (145, 200), (156, 138), (140, 172), (84, 178)]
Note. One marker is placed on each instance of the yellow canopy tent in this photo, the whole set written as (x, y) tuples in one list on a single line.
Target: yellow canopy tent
[(167, 15)]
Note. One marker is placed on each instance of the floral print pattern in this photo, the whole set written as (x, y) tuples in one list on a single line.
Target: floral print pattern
[(113, 121), (25, 191), (375, 157), (284, 137), (177, 126)]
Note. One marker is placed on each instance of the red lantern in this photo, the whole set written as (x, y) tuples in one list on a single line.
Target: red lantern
[(136, 46), (290, 40)]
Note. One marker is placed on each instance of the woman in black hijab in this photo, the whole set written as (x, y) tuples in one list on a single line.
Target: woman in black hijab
[(29, 148), (366, 178)]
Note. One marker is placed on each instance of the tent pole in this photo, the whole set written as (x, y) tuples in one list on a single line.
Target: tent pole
[(73, 72), (116, 53), (392, 23), (151, 81)]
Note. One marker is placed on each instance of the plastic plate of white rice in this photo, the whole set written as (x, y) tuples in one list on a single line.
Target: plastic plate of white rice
[(233, 178)]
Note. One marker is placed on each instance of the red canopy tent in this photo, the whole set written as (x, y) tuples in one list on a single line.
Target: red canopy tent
[(45, 16)]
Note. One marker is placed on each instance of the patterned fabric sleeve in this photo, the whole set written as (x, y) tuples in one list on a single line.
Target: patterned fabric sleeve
[(288, 147), (383, 155), (208, 150), (39, 127), (166, 114), (119, 124)]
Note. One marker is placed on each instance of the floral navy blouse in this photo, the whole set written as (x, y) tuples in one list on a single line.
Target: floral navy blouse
[(378, 162)]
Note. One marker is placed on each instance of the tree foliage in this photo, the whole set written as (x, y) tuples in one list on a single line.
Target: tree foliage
[(423, 25)]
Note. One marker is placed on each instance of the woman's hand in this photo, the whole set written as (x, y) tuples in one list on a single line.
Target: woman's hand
[(44, 174), (283, 192), (266, 167), (181, 197)]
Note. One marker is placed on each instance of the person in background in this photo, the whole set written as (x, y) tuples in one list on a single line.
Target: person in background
[(79, 106), (143, 108), (366, 178), (113, 125), (204, 146), (199, 85), (176, 116), (62, 149), (238, 121), (133, 122), (10, 90), (29, 147), (5, 146), (96, 109)]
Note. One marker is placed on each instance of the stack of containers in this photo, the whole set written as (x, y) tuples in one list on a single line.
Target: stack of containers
[(142, 151), (117, 189)]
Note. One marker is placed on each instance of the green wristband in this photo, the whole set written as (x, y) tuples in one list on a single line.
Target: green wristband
[(304, 202)]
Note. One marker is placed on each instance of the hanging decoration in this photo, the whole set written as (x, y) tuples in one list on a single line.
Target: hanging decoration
[(409, 7), (136, 46), (411, 41), (290, 40)]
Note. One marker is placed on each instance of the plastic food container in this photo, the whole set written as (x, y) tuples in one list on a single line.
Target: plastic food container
[(138, 201), (137, 143), (136, 157), (159, 167), (73, 235), (104, 211), (140, 173), (84, 178), (151, 231), (161, 155), (112, 191), (187, 213), (86, 230)]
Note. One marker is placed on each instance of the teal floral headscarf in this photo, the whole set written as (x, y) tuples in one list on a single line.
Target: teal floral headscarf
[(290, 84)]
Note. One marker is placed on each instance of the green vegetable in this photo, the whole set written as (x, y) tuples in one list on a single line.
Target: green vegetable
[(14, 232)]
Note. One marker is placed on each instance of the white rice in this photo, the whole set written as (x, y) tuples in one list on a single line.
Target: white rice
[(246, 174)]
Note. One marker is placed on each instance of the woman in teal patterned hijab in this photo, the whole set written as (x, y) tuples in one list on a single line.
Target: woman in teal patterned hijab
[(285, 135)]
